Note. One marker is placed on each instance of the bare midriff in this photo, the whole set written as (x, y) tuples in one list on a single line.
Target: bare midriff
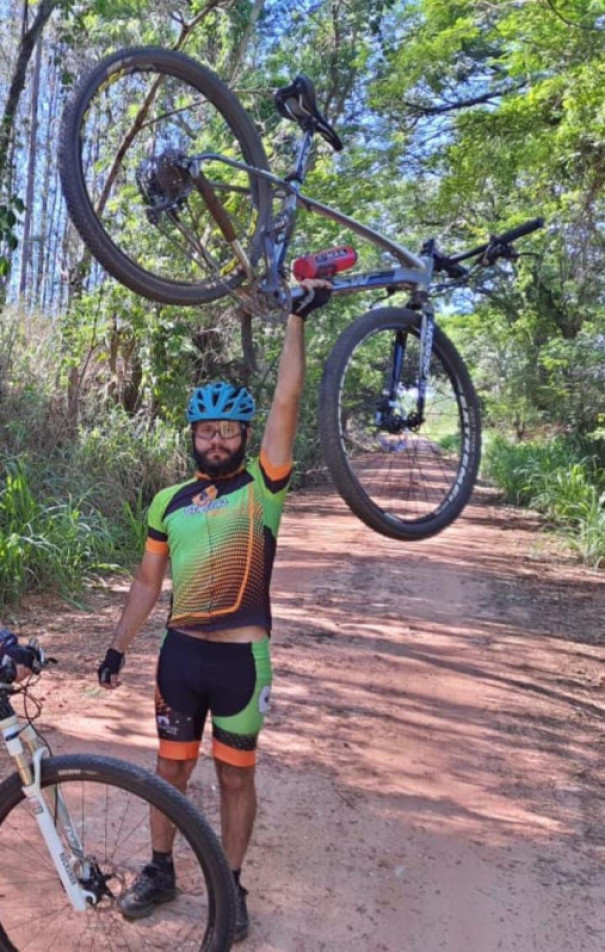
[(242, 635)]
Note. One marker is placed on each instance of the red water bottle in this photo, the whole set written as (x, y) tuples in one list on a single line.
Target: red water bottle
[(324, 264)]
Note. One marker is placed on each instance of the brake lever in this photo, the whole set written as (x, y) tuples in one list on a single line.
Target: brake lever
[(42, 660)]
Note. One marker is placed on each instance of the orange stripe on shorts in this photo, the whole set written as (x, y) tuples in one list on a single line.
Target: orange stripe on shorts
[(179, 749), (229, 755)]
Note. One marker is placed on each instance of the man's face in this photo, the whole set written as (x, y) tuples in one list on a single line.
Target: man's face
[(219, 446)]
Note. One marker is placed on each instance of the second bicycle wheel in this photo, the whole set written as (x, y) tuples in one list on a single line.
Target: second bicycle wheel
[(413, 481), (108, 803), (131, 135)]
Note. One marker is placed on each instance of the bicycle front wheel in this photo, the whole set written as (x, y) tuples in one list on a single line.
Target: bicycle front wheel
[(130, 136), (108, 805), (413, 479)]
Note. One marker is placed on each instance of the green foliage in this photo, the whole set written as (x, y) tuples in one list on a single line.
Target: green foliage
[(458, 119), (127, 458), (574, 380), (9, 212), (562, 478), (45, 544), (73, 498)]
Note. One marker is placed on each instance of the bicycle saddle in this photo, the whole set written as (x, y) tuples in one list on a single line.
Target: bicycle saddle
[(297, 102)]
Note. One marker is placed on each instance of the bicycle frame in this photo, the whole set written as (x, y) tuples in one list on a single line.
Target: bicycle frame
[(415, 273), (28, 761)]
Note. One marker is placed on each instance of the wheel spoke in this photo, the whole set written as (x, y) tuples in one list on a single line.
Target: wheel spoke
[(404, 476), (140, 122), (112, 823)]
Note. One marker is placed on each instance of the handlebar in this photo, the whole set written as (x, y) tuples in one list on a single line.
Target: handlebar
[(499, 242), (519, 231), (32, 656)]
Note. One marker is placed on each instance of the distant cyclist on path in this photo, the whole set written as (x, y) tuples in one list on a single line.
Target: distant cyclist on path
[(218, 530)]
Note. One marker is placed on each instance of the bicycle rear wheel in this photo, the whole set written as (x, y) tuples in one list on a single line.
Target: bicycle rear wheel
[(129, 136), (108, 803), (411, 483)]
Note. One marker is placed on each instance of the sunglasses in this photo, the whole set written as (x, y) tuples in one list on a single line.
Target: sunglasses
[(226, 429)]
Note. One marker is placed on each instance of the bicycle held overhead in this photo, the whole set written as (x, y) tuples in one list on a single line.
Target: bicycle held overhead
[(167, 181)]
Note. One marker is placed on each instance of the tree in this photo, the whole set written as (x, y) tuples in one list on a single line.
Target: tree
[(11, 204)]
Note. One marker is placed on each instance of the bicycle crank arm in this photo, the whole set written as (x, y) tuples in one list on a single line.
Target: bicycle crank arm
[(221, 217)]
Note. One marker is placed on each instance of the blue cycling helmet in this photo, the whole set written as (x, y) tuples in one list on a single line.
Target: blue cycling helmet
[(220, 401)]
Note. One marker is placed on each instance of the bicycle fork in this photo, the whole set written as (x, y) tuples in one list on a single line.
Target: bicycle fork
[(386, 418), (31, 774), (427, 333)]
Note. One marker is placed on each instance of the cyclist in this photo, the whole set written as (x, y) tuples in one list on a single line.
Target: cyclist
[(219, 532)]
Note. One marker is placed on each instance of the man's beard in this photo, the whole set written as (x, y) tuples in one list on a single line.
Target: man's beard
[(222, 467)]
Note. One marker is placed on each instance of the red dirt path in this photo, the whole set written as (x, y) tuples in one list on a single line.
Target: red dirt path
[(431, 779)]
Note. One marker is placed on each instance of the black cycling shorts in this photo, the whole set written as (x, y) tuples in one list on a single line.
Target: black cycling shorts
[(231, 680)]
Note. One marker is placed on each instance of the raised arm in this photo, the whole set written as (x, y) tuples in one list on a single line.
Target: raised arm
[(278, 438)]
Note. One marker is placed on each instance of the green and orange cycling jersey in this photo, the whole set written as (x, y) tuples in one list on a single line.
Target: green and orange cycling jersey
[(221, 537)]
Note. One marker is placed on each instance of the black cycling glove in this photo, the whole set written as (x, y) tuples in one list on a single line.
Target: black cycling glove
[(112, 663), (311, 300)]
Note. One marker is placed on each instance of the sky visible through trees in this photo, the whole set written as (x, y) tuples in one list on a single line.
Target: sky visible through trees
[(459, 119)]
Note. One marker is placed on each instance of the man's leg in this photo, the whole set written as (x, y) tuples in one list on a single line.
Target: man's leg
[(238, 713), (180, 716), (238, 809), (176, 772)]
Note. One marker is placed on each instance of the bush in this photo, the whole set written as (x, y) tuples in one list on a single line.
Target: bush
[(45, 545), (128, 458), (72, 499), (561, 478)]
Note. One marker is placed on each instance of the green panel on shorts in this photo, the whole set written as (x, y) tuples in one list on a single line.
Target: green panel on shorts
[(250, 720)]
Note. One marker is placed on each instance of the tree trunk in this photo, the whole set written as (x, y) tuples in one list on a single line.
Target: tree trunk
[(26, 48), (239, 51), (26, 249)]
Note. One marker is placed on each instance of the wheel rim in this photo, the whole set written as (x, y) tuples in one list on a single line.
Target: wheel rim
[(136, 131), (113, 827), (413, 475)]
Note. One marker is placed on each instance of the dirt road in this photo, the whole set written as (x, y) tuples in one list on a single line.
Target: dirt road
[(432, 777)]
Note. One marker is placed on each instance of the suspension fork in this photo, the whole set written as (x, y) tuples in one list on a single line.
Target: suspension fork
[(398, 355), (427, 333), (389, 394), (53, 795), (421, 302), (30, 774)]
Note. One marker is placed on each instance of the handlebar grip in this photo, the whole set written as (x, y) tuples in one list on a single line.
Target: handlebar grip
[(8, 670), (520, 230)]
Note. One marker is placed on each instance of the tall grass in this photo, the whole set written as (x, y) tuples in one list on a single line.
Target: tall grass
[(80, 507), (45, 545), (73, 499), (562, 478)]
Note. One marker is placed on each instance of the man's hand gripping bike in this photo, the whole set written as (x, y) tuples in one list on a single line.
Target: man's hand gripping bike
[(167, 182)]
